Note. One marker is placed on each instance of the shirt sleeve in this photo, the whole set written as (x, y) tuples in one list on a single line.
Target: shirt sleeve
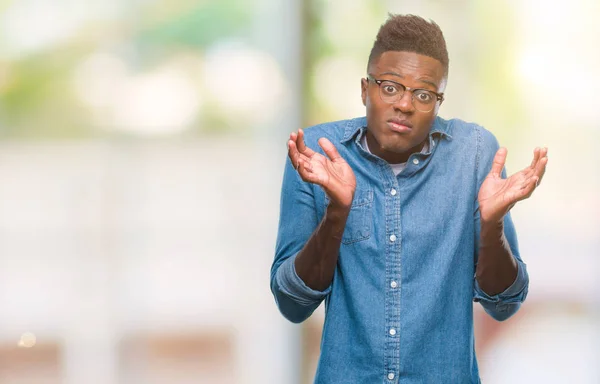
[(298, 219), (505, 304)]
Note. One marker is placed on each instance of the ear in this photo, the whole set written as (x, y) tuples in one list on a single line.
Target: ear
[(441, 89), (364, 84)]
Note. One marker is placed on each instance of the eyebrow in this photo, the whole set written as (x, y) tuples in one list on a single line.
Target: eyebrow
[(402, 77)]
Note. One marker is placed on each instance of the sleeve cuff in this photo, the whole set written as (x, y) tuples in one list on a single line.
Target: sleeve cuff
[(515, 293), (293, 286)]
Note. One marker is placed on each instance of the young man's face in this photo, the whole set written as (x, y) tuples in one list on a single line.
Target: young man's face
[(387, 139)]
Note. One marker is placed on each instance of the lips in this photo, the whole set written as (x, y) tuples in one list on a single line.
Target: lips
[(399, 125)]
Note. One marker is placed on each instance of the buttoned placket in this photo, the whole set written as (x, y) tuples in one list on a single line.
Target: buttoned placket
[(393, 304), (393, 277)]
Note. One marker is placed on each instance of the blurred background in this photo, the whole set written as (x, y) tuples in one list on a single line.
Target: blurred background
[(142, 146)]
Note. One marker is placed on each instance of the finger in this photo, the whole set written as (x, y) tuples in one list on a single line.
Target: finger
[(526, 189), (528, 172), (499, 161), (294, 138), (293, 153), (541, 168), (536, 156), (302, 146), (304, 167), (534, 167), (531, 187), (528, 182), (329, 149), (296, 157), (301, 170), (306, 173)]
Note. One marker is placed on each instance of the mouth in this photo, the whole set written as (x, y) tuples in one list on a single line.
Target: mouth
[(399, 125)]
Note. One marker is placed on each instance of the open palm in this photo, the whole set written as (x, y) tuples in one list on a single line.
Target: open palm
[(497, 195), (332, 173)]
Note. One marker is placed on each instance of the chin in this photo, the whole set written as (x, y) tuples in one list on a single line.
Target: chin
[(396, 147)]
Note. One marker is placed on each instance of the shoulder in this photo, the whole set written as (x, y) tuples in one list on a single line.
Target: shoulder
[(472, 135), (334, 131)]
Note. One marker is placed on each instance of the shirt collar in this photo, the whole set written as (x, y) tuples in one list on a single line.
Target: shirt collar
[(441, 126), (353, 126)]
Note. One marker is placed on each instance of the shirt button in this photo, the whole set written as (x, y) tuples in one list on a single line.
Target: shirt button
[(391, 376), (392, 331), (393, 238), (415, 161), (393, 284), (393, 192)]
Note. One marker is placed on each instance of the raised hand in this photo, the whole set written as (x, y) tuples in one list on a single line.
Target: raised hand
[(333, 174), (497, 195)]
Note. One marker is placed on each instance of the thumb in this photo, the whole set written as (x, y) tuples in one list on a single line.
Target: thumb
[(499, 161), (329, 149)]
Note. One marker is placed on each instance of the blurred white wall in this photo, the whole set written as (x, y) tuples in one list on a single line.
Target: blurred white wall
[(141, 239)]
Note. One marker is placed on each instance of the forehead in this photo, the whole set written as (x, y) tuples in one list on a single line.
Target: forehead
[(408, 65)]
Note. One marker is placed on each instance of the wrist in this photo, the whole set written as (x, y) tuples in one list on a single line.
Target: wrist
[(339, 201), (335, 220), (491, 232), (336, 212)]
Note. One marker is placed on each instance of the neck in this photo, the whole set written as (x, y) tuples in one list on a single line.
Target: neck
[(391, 157)]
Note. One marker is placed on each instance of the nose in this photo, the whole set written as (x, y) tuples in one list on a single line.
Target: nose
[(405, 103)]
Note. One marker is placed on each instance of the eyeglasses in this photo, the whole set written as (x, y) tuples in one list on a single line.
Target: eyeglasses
[(422, 99)]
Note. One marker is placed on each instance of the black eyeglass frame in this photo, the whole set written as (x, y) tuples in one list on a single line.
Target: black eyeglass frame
[(439, 96)]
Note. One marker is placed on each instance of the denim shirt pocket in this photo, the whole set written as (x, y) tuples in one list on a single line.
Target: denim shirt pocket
[(360, 221)]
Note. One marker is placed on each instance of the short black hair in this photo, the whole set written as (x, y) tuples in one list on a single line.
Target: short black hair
[(410, 33)]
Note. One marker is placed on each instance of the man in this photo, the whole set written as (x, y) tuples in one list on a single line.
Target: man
[(399, 221)]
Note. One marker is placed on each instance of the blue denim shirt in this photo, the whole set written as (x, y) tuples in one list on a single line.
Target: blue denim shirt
[(400, 307)]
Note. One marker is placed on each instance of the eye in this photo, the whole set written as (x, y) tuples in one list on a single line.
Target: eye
[(389, 88), (424, 97)]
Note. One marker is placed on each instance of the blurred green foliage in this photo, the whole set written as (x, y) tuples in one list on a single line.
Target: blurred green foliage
[(197, 26), (498, 96), (37, 99)]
